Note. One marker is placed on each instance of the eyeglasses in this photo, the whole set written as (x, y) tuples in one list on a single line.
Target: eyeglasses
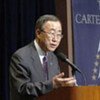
[(52, 34)]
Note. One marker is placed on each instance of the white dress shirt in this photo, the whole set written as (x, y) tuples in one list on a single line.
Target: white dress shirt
[(41, 53)]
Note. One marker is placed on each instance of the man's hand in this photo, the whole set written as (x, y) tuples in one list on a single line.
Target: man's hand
[(59, 81)]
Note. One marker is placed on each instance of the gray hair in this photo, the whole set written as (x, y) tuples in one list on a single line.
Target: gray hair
[(43, 19)]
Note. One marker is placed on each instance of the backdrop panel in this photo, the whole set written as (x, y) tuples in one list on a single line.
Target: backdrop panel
[(86, 29)]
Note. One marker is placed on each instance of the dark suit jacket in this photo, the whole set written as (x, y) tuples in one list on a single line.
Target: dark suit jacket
[(26, 74)]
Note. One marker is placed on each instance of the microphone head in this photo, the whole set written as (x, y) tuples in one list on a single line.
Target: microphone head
[(63, 57), (60, 55)]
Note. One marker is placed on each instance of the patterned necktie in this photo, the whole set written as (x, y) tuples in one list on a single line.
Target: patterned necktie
[(45, 67)]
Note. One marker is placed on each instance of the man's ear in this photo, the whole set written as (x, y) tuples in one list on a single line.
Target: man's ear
[(37, 33)]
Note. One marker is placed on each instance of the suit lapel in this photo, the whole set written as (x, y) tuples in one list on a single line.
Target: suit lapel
[(52, 64), (37, 63)]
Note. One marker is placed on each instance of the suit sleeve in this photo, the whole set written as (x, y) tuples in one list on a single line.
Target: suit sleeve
[(21, 82)]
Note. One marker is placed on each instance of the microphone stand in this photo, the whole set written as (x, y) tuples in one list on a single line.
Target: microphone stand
[(74, 71)]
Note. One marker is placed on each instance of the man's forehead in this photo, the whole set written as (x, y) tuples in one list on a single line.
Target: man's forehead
[(52, 24)]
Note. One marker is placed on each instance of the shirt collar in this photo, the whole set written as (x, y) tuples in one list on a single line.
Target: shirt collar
[(38, 48)]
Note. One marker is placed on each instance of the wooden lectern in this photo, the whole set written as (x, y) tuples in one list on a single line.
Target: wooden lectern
[(73, 93)]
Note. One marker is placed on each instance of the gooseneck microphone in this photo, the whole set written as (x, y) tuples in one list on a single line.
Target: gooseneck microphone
[(63, 58)]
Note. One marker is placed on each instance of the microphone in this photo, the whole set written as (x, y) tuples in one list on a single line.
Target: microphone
[(63, 58)]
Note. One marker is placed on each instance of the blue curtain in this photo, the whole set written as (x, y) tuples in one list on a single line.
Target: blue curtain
[(17, 20)]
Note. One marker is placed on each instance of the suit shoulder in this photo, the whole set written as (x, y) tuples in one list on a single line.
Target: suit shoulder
[(25, 51)]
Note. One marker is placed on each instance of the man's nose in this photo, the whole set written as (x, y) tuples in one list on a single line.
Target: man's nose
[(55, 38)]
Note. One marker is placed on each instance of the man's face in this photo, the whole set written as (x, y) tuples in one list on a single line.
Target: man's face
[(50, 37)]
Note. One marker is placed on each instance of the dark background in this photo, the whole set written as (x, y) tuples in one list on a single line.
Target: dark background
[(17, 20)]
